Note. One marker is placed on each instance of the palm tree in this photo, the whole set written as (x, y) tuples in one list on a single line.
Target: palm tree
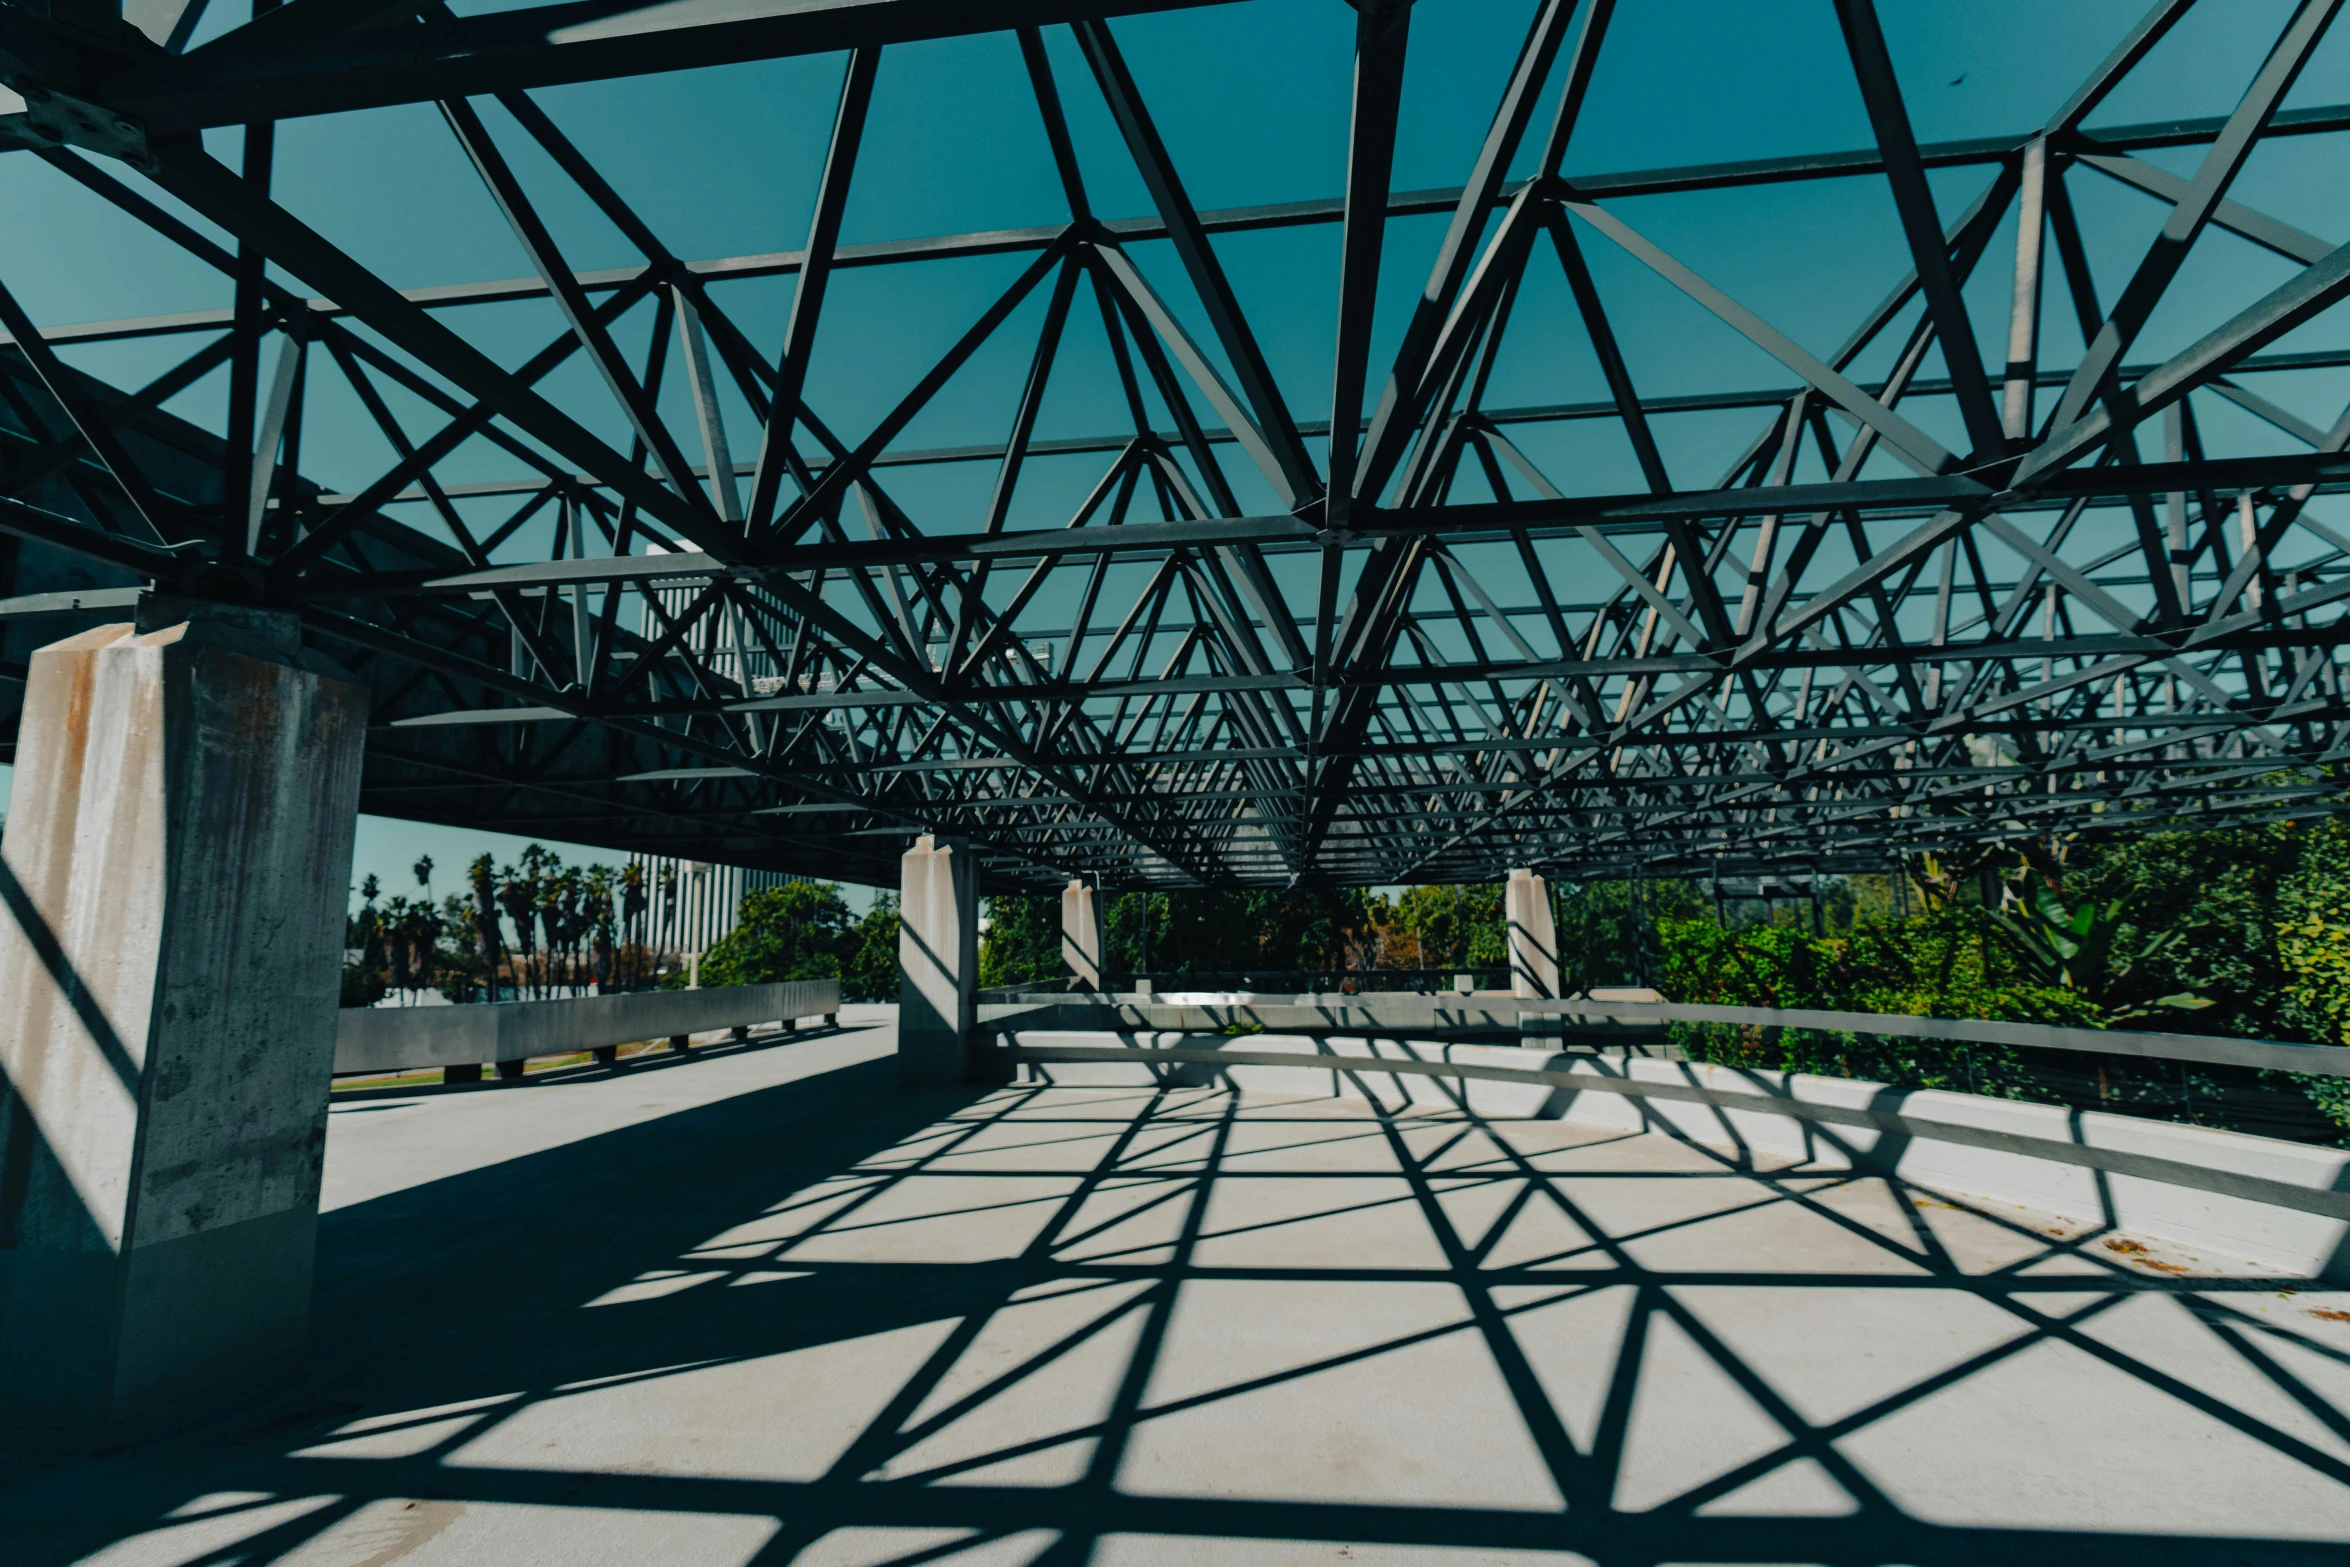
[(518, 893), (550, 912), (576, 922), (599, 916), (457, 924), (668, 905), (485, 920), (632, 918), (366, 928), (395, 949)]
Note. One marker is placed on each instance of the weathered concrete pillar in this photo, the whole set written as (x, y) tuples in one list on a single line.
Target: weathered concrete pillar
[(1082, 944), (938, 961), (1533, 938), (172, 888)]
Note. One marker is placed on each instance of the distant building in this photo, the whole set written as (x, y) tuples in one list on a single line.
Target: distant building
[(693, 903)]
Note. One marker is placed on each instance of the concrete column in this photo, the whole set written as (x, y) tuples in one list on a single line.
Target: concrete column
[(1533, 938), (172, 889), (938, 961), (1082, 943)]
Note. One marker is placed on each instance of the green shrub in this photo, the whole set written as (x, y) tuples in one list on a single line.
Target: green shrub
[(795, 931), (1022, 942), (1949, 963), (2313, 949), (869, 963), (364, 986)]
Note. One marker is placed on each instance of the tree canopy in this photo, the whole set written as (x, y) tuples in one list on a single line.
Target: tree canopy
[(804, 930)]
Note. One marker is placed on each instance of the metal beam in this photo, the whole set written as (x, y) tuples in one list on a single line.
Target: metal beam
[(1291, 471), (279, 73)]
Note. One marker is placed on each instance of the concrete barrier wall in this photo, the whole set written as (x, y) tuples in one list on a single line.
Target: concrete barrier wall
[(391, 1039), (2239, 1198)]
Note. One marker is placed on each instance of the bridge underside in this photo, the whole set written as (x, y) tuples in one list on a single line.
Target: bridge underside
[(1208, 607)]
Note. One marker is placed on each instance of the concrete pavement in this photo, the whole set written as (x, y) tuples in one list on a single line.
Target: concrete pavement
[(764, 1306)]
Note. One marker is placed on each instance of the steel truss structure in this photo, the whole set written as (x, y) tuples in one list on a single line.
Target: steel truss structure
[(1431, 656)]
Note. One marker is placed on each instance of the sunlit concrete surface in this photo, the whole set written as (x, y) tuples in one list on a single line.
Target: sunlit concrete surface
[(766, 1307)]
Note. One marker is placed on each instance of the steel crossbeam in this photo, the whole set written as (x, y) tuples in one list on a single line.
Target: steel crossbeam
[(1363, 625)]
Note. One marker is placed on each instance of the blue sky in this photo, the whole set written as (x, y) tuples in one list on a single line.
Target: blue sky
[(1252, 99)]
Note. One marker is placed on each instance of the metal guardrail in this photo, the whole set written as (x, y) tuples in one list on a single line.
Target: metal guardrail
[(2207, 1049), (508, 1033), (1327, 981), (1545, 1017), (1301, 1015), (2315, 1189)]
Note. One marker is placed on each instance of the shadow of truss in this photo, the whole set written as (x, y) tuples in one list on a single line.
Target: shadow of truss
[(1062, 1325)]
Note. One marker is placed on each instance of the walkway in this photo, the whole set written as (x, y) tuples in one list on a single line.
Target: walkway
[(764, 1307)]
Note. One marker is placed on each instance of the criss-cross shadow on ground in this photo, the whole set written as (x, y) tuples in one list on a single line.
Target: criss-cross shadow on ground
[(833, 1322)]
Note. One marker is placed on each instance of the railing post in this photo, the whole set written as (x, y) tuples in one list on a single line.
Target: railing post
[(1533, 937), (938, 962), (1082, 947)]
